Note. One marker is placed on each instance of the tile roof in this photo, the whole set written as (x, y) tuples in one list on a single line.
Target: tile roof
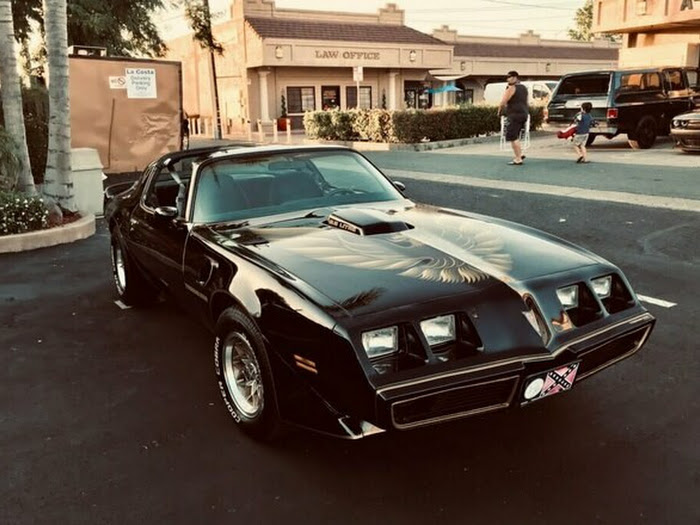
[(304, 30), (532, 51)]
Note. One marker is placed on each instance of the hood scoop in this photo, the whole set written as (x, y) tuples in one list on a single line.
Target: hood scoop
[(366, 222)]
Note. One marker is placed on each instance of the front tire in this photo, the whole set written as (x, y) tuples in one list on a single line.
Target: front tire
[(132, 287), (244, 375)]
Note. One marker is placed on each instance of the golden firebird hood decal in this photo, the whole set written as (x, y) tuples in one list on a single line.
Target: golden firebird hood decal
[(457, 250)]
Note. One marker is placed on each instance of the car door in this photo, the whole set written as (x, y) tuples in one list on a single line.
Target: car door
[(157, 239)]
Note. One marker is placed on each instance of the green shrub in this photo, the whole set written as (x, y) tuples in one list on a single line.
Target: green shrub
[(409, 126), (35, 102), (21, 214)]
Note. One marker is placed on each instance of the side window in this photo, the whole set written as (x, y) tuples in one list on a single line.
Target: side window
[(162, 190), (651, 82), (674, 80), (675, 83)]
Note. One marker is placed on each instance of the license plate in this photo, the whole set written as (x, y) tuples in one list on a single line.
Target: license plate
[(549, 383)]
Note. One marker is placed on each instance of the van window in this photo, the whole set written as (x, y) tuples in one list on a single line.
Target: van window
[(674, 80), (639, 82), (596, 84)]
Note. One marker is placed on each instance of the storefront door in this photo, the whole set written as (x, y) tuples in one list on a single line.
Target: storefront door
[(330, 97)]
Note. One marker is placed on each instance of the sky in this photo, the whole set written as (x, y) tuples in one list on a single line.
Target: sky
[(505, 18)]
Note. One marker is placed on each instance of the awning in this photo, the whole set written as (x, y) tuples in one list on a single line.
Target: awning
[(444, 89)]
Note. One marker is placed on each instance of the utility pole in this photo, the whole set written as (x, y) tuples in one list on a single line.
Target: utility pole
[(212, 80)]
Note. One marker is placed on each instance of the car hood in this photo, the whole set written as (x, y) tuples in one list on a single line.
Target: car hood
[(373, 259), (692, 115)]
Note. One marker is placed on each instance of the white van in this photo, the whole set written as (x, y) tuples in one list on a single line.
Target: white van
[(538, 91)]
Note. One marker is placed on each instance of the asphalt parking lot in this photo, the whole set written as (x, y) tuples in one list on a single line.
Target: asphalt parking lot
[(113, 416)]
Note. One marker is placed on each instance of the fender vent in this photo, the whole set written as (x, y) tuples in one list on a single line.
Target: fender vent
[(366, 222)]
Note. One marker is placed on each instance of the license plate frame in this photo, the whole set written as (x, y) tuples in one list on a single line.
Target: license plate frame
[(548, 383)]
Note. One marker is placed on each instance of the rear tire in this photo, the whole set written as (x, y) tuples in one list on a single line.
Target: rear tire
[(590, 139), (244, 375), (132, 287), (644, 135)]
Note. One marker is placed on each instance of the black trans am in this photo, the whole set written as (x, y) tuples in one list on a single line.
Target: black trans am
[(339, 305)]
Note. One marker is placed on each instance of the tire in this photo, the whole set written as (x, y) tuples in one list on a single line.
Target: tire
[(132, 287), (644, 135), (244, 375), (590, 139)]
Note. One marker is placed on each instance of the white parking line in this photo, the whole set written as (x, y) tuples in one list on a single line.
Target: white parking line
[(657, 302), (122, 305)]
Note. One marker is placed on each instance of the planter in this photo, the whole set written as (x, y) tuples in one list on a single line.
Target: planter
[(80, 229), (282, 124)]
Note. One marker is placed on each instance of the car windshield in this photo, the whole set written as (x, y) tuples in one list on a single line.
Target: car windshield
[(242, 188)]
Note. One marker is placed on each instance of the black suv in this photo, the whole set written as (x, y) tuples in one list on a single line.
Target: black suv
[(639, 102)]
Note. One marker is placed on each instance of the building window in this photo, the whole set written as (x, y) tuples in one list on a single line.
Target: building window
[(300, 99), (365, 97), (466, 96)]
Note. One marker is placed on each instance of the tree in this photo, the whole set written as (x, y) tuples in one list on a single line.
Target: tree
[(12, 98), (58, 181), (199, 16), (584, 24), (124, 27)]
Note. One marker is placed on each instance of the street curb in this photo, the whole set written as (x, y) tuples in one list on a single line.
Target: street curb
[(74, 231)]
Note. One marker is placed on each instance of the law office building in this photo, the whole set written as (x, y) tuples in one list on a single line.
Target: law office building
[(307, 60)]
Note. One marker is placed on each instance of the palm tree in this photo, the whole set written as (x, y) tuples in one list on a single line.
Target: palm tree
[(12, 98), (58, 180)]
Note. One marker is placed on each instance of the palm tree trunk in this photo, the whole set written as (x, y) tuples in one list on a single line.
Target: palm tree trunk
[(12, 97), (58, 180)]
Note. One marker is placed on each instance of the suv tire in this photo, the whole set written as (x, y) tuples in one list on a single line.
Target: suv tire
[(644, 135)]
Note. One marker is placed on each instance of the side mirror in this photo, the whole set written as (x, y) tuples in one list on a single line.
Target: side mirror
[(166, 212), (399, 185)]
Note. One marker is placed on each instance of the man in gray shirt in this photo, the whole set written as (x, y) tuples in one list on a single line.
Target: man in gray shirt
[(514, 103)]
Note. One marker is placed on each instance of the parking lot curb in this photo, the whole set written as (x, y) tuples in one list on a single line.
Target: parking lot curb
[(74, 231)]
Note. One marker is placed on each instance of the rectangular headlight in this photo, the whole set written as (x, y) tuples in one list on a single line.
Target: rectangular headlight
[(383, 341), (602, 286), (568, 296), (439, 330)]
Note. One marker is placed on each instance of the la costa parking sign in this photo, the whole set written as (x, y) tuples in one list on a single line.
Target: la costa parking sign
[(141, 83)]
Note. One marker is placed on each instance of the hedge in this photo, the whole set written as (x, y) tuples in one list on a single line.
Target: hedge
[(35, 102), (408, 126)]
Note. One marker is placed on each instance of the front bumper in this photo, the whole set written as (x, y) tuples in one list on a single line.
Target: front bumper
[(475, 390), (687, 139)]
